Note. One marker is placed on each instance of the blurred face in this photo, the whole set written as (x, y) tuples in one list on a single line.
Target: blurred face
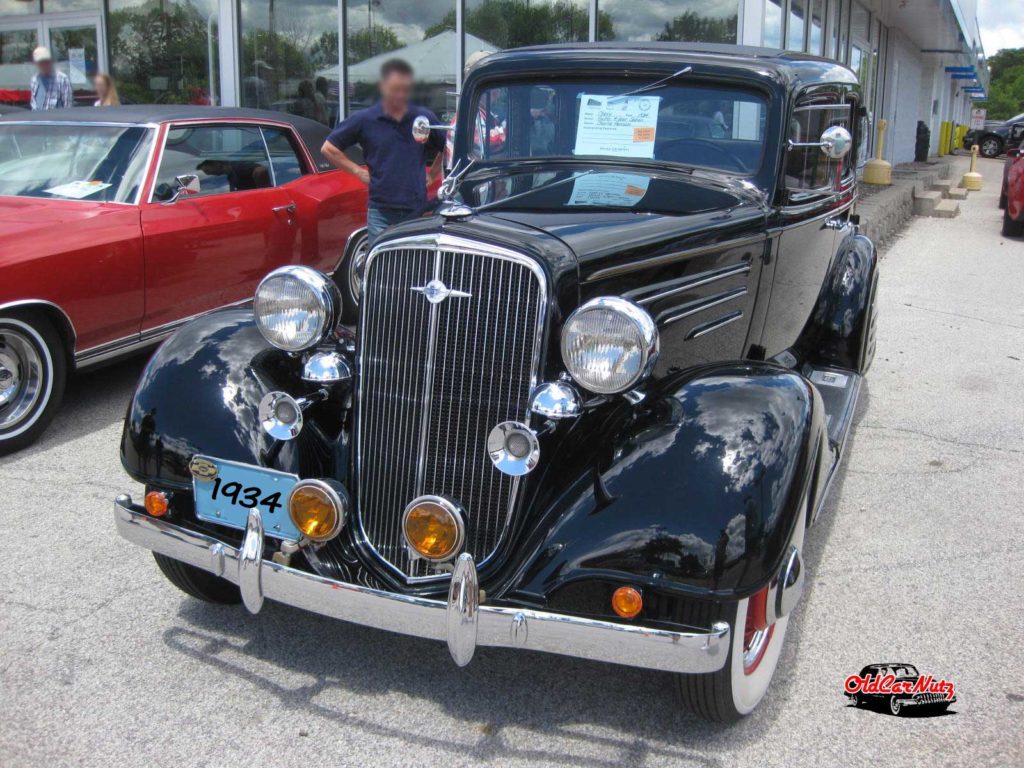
[(100, 84), (45, 67), (395, 91)]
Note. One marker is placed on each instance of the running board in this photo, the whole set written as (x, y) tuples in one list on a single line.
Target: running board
[(839, 389)]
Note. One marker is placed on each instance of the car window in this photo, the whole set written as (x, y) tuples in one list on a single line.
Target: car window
[(808, 168), (284, 158), (226, 158)]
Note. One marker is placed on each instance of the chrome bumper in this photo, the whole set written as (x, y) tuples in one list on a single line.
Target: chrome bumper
[(461, 621)]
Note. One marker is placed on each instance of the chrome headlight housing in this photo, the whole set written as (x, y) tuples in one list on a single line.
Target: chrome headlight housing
[(296, 307), (609, 345)]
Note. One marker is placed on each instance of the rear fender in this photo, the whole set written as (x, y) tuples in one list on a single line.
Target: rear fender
[(697, 490)]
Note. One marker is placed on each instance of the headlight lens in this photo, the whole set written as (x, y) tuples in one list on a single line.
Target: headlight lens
[(609, 345), (295, 307)]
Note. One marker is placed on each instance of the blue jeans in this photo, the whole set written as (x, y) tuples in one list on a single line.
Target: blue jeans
[(379, 219)]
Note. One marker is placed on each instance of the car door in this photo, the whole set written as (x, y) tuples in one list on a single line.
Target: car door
[(209, 247), (815, 199), (329, 206)]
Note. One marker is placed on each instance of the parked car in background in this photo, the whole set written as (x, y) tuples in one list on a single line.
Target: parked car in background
[(1012, 198), (995, 139), (591, 405), (120, 224)]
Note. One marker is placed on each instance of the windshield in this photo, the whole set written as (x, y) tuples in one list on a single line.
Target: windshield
[(72, 161), (685, 123)]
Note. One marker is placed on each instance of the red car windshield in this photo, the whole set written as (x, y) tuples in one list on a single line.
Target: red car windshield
[(73, 161)]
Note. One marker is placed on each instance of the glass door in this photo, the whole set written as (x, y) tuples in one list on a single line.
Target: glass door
[(17, 40), (75, 40), (76, 43)]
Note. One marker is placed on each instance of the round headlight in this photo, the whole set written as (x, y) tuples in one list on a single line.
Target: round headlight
[(296, 307), (609, 345), (433, 528)]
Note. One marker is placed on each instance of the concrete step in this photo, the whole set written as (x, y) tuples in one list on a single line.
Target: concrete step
[(943, 186), (947, 209), (957, 193), (925, 202)]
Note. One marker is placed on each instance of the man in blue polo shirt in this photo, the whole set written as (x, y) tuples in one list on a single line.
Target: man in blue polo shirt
[(394, 135)]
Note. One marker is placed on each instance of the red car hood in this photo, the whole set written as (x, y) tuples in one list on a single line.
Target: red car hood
[(33, 227)]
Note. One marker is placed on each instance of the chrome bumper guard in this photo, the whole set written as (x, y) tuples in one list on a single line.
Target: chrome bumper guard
[(461, 621)]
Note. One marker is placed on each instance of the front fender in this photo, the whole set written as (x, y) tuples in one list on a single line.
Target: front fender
[(696, 491), (200, 393)]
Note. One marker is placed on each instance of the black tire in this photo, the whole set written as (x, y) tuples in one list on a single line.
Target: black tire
[(198, 583), (990, 146), (1012, 228), (895, 706), (347, 279), (856, 700), (1002, 201), (34, 365)]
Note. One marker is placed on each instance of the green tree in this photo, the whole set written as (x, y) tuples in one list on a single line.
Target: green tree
[(371, 41), (515, 23), (1006, 86), (694, 27)]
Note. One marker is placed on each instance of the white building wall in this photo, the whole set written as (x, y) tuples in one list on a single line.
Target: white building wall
[(902, 98)]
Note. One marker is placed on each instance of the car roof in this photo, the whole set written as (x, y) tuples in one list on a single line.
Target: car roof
[(313, 134), (790, 67)]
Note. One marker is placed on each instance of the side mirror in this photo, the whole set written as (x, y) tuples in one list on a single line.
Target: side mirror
[(186, 184), (835, 142)]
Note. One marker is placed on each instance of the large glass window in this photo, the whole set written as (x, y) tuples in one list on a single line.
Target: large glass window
[(16, 66), (687, 20), (288, 56), (689, 124), (795, 30), (73, 161), (421, 32), (18, 7), (513, 23), (816, 38), (165, 52), (771, 32)]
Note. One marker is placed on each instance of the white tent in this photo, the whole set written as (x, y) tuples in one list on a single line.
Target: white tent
[(433, 59)]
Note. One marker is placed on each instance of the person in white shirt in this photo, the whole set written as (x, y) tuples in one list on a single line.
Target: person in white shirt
[(50, 88)]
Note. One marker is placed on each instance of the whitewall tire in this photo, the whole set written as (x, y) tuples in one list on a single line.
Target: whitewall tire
[(33, 370)]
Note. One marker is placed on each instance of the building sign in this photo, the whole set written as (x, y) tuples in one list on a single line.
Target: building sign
[(76, 66), (978, 118)]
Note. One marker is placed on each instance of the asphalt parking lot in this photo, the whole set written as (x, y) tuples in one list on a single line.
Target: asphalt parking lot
[(917, 558)]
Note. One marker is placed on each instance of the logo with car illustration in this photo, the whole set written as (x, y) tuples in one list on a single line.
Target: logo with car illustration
[(899, 689)]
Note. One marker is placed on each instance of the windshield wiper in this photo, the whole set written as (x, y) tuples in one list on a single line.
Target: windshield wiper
[(653, 86)]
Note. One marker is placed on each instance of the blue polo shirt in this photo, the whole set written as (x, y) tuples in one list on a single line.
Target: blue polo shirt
[(397, 162)]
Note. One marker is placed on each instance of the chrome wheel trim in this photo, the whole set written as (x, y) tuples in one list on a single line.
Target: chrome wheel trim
[(990, 148), (752, 653), (894, 705), (26, 358), (355, 267)]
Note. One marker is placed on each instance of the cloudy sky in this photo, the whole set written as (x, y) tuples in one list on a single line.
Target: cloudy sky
[(1002, 24)]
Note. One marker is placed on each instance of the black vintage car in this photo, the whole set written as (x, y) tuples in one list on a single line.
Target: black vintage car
[(899, 675), (592, 402), (996, 138)]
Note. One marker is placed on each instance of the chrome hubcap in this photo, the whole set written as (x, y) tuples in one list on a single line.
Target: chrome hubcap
[(21, 377), (355, 270), (754, 649), (990, 147)]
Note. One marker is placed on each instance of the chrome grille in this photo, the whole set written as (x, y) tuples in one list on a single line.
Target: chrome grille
[(434, 379)]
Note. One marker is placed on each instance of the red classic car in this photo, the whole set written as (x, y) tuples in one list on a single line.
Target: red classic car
[(119, 224), (1012, 198)]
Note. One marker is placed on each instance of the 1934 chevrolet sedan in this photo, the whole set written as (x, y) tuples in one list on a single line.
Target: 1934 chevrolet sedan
[(592, 402)]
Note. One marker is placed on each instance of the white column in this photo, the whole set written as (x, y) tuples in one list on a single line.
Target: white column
[(751, 22), (227, 37), (592, 26)]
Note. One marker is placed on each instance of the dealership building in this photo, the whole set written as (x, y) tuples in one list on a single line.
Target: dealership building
[(919, 60)]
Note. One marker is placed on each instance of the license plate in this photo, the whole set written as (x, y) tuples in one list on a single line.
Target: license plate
[(227, 495)]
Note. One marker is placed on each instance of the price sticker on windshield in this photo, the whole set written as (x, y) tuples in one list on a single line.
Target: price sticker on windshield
[(617, 126)]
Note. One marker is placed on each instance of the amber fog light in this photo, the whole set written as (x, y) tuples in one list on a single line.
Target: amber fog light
[(318, 509), (156, 503), (433, 528), (627, 602)]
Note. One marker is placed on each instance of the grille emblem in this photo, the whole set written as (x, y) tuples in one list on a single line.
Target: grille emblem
[(436, 292)]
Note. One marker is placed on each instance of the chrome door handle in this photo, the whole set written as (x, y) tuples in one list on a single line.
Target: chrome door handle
[(290, 208)]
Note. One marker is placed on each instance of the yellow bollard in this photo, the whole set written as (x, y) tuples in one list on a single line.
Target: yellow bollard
[(878, 171), (972, 179)]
